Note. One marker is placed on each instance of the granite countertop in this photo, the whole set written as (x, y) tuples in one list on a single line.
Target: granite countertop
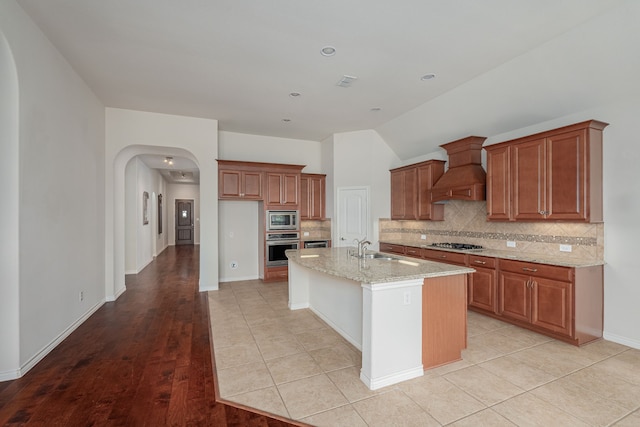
[(516, 256), (338, 262)]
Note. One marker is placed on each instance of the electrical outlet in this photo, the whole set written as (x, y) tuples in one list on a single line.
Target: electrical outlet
[(423, 236), (511, 244), (305, 233), (565, 248), (234, 264), (407, 298), (81, 296)]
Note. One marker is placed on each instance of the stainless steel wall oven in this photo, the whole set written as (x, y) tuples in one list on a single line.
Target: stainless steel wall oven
[(277, 244)]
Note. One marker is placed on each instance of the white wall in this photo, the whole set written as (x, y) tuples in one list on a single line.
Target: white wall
[(9, 221), (182, 191), (61, 187), (363, 158), (239, 240), (258, 148)]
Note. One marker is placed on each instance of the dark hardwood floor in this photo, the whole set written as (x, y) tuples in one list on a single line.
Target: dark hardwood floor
[(144, 359)]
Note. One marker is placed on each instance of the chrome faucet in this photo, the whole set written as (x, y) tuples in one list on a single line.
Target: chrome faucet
[(362, 246)]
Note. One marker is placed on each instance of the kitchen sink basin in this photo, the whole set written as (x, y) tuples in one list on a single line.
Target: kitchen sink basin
[(379, 255)]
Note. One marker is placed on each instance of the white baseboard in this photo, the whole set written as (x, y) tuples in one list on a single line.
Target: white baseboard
[(387, 380), (238, 279), (621, 340), (53, 344)]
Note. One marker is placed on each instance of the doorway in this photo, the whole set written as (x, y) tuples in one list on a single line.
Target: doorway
[(184, 222), (353, 215)]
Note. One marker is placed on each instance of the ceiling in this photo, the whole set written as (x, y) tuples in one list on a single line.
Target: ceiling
[(179, 171), (238, 61)]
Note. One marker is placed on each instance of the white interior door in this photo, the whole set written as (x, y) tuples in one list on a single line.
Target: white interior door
[(353, 215)]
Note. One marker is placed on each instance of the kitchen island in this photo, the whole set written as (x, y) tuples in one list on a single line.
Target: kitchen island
[(403, 314)]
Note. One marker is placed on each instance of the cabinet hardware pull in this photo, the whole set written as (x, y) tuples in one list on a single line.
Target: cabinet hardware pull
[(480, 262), (529, 269)]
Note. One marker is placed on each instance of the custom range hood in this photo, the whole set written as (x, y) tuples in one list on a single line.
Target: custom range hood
[(465, 179)]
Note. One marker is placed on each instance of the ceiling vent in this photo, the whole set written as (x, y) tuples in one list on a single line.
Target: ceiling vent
[(346, 81), (465, 179)]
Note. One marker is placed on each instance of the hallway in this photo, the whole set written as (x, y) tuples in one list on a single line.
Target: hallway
[(144, 359)]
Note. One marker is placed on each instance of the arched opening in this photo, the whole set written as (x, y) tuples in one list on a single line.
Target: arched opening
[(122, 210)]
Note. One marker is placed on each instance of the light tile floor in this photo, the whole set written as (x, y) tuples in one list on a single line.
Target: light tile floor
[(292, 364)]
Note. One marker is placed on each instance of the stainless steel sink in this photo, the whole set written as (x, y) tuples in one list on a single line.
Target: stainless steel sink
[(379, 255)]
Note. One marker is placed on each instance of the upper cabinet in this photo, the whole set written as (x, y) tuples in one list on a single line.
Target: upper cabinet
[(278, 185), (239, 180), (312, 196), (551, 176), (411, 191)]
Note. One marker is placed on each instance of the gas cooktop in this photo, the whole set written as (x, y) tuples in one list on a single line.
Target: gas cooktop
[(458, 246)]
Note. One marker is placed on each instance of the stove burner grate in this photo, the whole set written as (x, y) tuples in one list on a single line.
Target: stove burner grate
[(458, 246)]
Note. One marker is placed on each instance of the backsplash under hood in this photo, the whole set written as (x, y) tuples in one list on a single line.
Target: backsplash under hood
[(465, 179)]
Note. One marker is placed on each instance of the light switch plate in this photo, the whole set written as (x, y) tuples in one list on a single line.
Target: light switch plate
[(511, 244), (423, 236), (565, 248)]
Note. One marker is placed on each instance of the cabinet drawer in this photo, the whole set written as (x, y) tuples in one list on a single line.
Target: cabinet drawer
[(554, 272), (481, 261), (443, 256), (391, 248), (413, 252)]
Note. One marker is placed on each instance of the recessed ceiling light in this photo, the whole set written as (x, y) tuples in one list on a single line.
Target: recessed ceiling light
[(428, 76), (294, 94), (328, 51)]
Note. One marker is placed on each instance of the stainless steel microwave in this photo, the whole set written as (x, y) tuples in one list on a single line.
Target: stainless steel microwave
[(282, 220)]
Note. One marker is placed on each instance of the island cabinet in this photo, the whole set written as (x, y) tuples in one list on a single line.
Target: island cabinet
[(312, 196), (411, 191), (239, 180), (482, 289), (563, 302), (550, 176)]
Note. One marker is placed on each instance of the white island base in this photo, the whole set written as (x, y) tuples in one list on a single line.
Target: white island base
[(382, 320)]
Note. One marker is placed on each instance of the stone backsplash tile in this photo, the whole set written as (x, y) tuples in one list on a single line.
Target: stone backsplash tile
[(317, 229), (466, 222)]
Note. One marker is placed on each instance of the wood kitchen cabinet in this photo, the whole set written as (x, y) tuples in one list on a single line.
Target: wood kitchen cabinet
[(312, 196), (550, 176), (237, 180), (282, 187), (411, 191), (392, 249), (538, 294), (456, 258), (482, 292)]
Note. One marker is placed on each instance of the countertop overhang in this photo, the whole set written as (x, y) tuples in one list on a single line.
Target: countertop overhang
[(339, 262)]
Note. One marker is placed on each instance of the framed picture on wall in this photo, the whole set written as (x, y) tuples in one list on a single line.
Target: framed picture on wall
[(159, 213), (145, 208)]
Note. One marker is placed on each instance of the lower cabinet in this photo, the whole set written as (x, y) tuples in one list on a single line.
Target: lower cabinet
[(482, 287), (562, 302), (276, 274)]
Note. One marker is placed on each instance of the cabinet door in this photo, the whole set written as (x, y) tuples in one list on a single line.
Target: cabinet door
[(274, 186), (567, 198), (529, 180), (229, 184), (514, 296), (551, 305), (305, 197), (426, 176), (498, 184), (482, 286), (291, 189), (317, 197), (252, 185), (403, 194)]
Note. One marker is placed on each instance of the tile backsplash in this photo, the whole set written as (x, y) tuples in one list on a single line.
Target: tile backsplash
[(316, 229), (466, 222)]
